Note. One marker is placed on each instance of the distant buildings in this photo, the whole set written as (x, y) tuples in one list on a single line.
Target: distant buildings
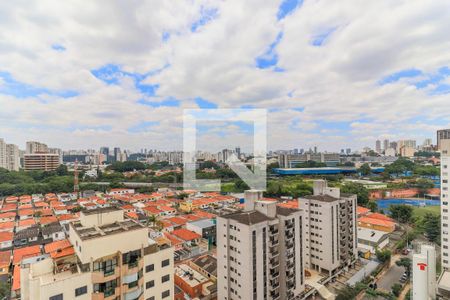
[(36, 147), (378, 146), (9, 156), (260, 252), (41, 162), (292, 160)]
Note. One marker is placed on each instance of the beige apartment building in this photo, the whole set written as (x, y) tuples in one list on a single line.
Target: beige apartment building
[(329, 229), (259, 252), (41, 162), (113, 258), (36, 147)]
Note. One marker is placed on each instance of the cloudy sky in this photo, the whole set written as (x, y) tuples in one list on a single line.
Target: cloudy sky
[(83, 74)]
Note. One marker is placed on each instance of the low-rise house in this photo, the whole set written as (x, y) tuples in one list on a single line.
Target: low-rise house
[(23, 224), (371, 240), (205, 265), (7, 216), (190, 281), (26, 214), (25, 252), (48, 220), (206, 228), (53, 231), (7, 226), (27, 236), (6, 239)]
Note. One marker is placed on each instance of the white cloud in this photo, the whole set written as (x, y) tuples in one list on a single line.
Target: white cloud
[(336, 82)]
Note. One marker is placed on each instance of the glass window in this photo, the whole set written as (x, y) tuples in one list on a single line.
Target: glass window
[(165, 263), (149, 268), (165, 294), (149, 284), (56, 297), (81, 291), (165, 278)]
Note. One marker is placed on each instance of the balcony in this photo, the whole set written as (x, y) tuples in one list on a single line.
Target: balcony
[(274, 284), (133, 295), (132, 267), (274, 253), (109, 294), (105, 275)]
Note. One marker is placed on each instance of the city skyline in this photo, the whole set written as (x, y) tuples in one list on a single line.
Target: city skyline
[(341, 78)]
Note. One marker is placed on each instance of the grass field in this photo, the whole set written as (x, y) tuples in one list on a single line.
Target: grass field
[(421, 211)]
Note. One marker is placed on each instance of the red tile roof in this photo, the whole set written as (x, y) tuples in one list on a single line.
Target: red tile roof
[(177, 220), (48, 220), (5, 258), (362, 210), (58, 245), (27, 222), (25, 252), (7, 225), (7, 215), (16, 279), (6, 236), (186, 235)]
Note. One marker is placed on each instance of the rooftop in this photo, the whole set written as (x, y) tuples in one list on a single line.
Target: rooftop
[(189, 275), (86, 233), (248, 217), (207, 263)]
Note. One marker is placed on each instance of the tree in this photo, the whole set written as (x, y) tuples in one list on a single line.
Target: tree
[(396, 289), (365, 170), (346, 293), (406, 263), (5, 289), (62, 170), (383, 255), (400, 212), (373, 206), (359, 190), (431, 224)]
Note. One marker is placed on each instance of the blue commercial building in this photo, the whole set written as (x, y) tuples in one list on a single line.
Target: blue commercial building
[(322, 171)]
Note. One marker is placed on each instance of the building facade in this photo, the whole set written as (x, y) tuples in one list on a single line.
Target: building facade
[(99, 265), (443, 134), (36, 147), (260, 252), (41, 162), (329, 231)]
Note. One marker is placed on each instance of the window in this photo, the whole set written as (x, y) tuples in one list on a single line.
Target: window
[(165, 294), (81, 291), (56, 297), (165, 263), (151, 298), (165, 278), (149, 268), (149, 284)]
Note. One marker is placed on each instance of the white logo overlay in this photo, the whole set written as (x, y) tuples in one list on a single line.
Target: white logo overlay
[(254, 178)]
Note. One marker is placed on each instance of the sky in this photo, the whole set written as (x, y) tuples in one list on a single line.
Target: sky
[(332, 74)]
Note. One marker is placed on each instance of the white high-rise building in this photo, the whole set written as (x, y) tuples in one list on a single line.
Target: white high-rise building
[(444, 280), (378, 146), (329, 231), (3, 155), (424, 273), (12, 157), (259, 251), (9, 156)]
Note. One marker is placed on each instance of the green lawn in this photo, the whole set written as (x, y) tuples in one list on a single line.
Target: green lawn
[(421, 211)]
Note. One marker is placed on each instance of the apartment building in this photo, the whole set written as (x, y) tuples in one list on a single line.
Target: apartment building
[(108, 257), (9, 156), (329, 229), (260, 252), (41, 161), (443, 134), (36, 147), (444, 280)]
